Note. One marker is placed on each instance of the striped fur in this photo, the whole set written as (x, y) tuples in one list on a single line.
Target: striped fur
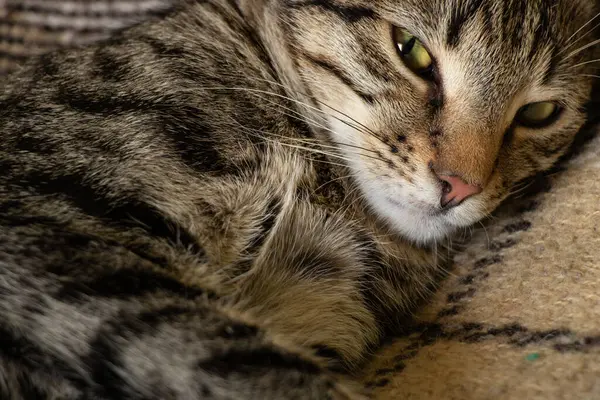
[(236, 200)]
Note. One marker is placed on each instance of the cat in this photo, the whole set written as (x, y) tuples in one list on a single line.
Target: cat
[(239, 199)]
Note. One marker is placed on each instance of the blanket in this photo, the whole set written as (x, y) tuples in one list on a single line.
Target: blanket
[(29, 27)]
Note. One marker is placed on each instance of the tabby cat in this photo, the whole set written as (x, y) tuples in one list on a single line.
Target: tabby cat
[(239, 199)]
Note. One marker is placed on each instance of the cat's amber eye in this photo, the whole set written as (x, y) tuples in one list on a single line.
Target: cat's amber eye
[(538, 115), (413, 53)]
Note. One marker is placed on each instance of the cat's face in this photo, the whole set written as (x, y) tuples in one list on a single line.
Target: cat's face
[(440, 107)]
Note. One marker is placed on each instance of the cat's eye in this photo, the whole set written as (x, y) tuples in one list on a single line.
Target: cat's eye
[(538, 115), (413, 53)]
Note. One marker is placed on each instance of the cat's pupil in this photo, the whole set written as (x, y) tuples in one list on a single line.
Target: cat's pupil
[(407, 48), (413, 53)]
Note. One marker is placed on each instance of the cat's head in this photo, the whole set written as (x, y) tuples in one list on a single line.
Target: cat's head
[(440, 107)]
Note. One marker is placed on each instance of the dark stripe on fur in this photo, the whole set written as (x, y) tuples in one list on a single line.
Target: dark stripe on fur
[(335, 361), (102, 101), (460, 17), (23, 352), (105, 357), (236, 22), (488, 21), (49, 67), (28, 389), (255, 361), (193, 139), (110, 66), (271, 213), (124, 284), (377, 63), (161, 48), (184, 124), (341, 75), (520, 29), (553, 64), (350, 13), (125, 213)]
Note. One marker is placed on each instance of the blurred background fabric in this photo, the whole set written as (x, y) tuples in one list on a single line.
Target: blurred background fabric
[(29, 27)]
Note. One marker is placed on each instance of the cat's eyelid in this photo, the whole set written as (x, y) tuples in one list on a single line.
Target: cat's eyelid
[(545, 95)]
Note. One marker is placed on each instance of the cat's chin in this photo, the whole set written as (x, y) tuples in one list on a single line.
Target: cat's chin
[(420, 225), (422, 222)]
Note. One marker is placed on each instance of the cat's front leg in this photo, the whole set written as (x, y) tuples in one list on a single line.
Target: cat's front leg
[(307, 284)]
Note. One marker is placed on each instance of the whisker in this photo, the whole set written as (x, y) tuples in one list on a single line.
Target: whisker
[(333, 180), (300, 117), (262, 134), (584, 63), (583, 26), (520, 188), (254, 91), (367, 129), (582, 48), (351, 119), (315, 151), (489, 242), (351, 193), (282, 96), (316, 142), (328, 162), (579, 30)]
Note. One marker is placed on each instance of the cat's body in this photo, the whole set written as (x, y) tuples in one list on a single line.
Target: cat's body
[(176, 220)]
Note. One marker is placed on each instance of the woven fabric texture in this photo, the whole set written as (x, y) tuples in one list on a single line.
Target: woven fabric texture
[(29, 27)]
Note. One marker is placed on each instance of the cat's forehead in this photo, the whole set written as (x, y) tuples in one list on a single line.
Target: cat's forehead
[(504, 39), (499, 49), (511, 21)]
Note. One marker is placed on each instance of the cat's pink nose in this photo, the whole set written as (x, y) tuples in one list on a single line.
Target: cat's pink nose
[(455, 190)]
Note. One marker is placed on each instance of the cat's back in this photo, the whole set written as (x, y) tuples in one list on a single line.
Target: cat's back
[(132, 142), (176, 100), (163, 147)]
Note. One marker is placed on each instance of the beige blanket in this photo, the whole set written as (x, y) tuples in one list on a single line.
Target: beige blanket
[(519, 316)]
